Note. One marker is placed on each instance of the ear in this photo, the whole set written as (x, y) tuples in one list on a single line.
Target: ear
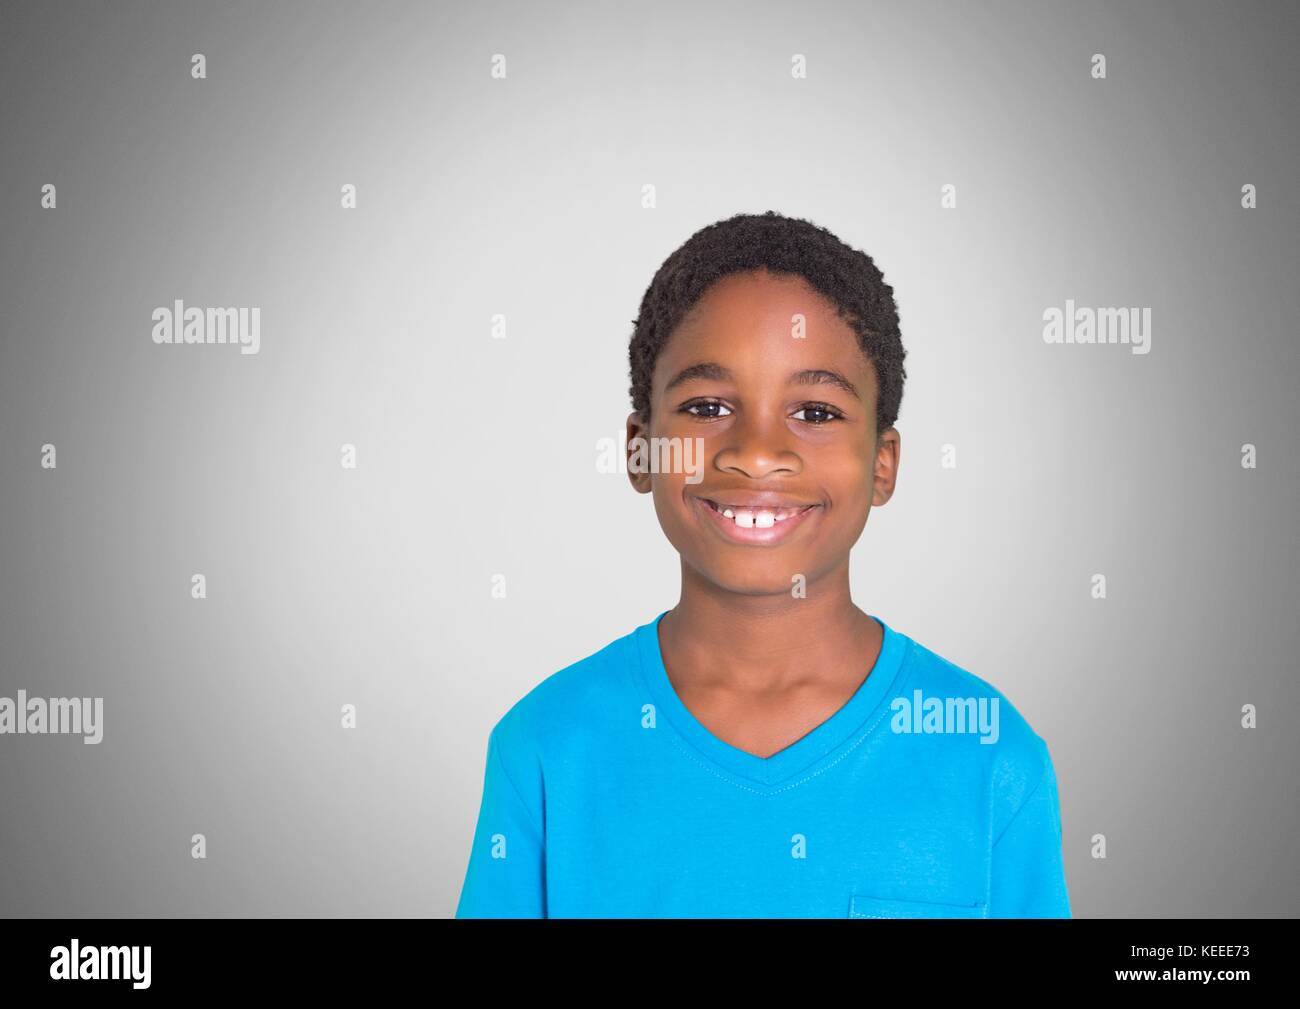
[(885, 474), (638, 438)]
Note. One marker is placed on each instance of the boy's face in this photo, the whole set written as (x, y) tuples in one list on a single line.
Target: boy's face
[(797, 451)]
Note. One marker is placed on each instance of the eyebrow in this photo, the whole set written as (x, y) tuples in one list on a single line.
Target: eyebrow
[(712, 371)]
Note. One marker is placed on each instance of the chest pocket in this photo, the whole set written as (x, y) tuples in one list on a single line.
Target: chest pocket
[(864, 906)]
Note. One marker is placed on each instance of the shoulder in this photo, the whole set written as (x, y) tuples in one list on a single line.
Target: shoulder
[(570, 704), (1017, 760)]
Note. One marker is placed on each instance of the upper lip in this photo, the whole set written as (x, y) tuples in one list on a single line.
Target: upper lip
[(755, 499)]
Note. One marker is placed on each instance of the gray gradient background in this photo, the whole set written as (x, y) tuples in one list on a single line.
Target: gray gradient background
[(477, 456)]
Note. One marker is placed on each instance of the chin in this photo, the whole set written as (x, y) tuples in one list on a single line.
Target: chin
[(754, 578)]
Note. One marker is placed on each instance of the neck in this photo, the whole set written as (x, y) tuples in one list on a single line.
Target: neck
[(713, 637)]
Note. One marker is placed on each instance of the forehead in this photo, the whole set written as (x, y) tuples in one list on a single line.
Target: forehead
[(760, 324)]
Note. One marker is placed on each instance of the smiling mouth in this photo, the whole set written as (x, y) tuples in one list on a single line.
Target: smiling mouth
[(755, 517), (755, 525)]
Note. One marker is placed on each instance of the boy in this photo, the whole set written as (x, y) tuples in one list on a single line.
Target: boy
[(766, 749)]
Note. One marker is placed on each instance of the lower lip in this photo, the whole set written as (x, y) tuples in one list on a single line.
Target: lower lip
[(754, 535)]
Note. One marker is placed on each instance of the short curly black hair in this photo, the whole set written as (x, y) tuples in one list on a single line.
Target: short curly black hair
[(782, 245)]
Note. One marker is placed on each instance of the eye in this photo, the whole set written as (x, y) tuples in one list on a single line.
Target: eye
[(706, 405), (829, 412)]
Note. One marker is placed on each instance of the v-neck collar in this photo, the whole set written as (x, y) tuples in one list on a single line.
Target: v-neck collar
[(843, 728)]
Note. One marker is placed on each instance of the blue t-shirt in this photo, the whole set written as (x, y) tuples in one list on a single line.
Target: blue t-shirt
[(925, 795)]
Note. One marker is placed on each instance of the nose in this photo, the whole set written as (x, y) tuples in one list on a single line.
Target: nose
[(756, 446)]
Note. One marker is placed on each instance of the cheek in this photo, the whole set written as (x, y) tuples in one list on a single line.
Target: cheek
[(847, 473), (670, 502), (673, 513)]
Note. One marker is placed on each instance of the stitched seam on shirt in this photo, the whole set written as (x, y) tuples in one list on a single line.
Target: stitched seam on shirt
[(906, 663), (1020, 809), (862, 914), (514, 788)]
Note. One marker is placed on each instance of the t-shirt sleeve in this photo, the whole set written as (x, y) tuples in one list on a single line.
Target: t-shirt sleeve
[(506, 877), (1028, 871)]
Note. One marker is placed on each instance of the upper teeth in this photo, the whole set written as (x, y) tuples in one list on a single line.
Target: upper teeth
[(758, 518)]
